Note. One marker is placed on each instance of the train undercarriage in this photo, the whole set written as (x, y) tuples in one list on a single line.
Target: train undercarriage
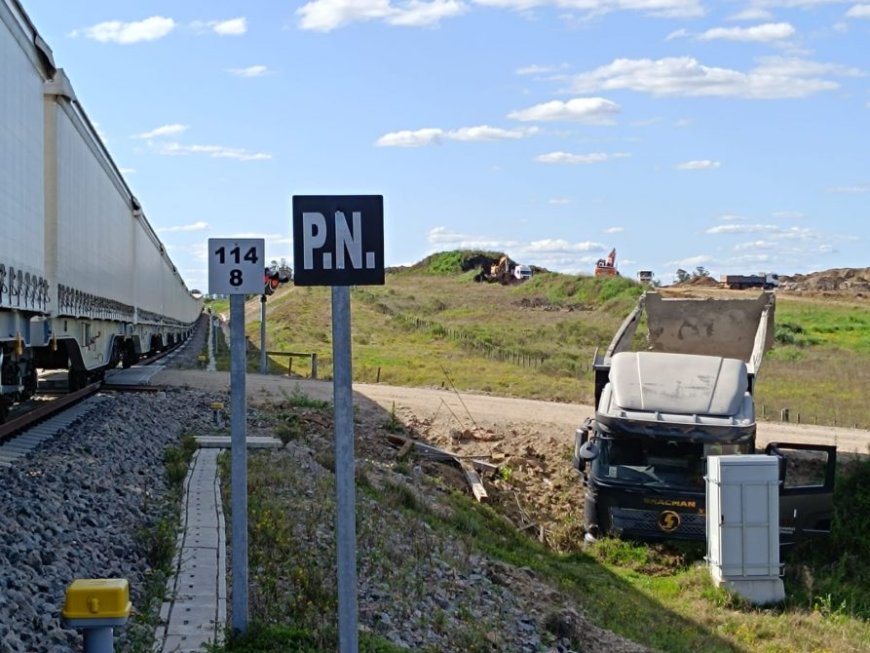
[(86, 348)]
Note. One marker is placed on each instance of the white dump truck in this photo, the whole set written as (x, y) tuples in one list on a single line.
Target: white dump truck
[(666, 402)]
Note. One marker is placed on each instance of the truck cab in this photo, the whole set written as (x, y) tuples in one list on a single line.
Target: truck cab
[(662, 410), (658, 418)]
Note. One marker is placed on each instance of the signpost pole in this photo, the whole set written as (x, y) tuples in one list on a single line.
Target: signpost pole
[(239, 463), (235, 268), (264, 365), (344, 471)]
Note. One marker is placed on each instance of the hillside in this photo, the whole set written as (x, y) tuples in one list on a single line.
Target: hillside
[(432, 325)]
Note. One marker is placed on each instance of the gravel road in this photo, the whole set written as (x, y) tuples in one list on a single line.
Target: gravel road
[(463, 410)]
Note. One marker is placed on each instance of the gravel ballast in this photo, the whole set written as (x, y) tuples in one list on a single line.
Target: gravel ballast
[(73, 509)]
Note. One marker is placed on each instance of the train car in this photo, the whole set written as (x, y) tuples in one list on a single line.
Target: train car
[(85, 283)]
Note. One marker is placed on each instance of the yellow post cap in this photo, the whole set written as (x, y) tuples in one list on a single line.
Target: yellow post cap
[(97, 598), (217, 406)]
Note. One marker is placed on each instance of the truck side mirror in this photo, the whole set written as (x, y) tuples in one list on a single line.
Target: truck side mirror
[(589, 451)]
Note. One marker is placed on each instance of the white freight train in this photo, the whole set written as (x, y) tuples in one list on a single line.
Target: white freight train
[(84, 281)]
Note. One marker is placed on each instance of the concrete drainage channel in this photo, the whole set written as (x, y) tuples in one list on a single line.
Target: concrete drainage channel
[(196, 610)]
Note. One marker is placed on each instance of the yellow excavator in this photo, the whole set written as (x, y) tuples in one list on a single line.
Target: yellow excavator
[(607, 267)]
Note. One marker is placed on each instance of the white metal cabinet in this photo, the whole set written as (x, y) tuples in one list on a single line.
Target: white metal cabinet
[(743, 525)]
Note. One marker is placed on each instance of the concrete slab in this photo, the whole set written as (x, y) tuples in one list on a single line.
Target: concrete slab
[(223, 442), (135, 375), (198, 536), (195, 613)]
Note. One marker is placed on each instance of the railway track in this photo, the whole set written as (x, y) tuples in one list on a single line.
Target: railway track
[(24, 432)]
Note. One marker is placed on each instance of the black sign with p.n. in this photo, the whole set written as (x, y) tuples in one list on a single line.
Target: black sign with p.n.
[(338, 240)]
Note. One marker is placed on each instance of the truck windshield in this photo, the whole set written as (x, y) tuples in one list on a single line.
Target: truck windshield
[(668, 463)]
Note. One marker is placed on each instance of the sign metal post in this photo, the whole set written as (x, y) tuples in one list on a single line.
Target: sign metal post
[(235, 268), (338, 241), (264, 363)]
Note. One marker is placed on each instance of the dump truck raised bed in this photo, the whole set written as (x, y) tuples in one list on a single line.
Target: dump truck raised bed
[(662, 406)]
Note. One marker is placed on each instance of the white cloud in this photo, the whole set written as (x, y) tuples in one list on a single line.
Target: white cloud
[(614, 230), (487, 133), (165, 130), (756, 245), (704, 164), (591, 110), (561, 246), (859, 11), (250, 71), (789, 215), (535, 69), (408, 138), (859, 188), (771, 230), (115, 31), (566, 158), (443, 237), (559, 201), (660, 8), (757, 33), (196, 226), (752, 13), (690, 262), (434, 135), (214, 151), (327, 15), (231, 27), (550, 253), (773, 77), (678, 34)]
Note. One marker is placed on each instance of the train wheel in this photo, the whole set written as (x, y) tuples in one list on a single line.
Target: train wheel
[(4, 410), (77, 379), (29, 381), (128, 356)]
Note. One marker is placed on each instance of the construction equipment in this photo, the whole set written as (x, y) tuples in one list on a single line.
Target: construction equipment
[(501, 271), (660, 411), (607, 267)]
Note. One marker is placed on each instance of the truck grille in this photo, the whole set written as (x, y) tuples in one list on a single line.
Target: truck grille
[(645, 524)]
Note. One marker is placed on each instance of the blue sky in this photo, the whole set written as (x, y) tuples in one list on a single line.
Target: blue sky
[(731, 135)]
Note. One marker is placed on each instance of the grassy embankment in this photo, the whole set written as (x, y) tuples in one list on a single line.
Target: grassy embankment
[(537, 339), (659, 596)]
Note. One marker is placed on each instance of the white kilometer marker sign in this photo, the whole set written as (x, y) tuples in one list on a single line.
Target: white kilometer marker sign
[(235, 268)]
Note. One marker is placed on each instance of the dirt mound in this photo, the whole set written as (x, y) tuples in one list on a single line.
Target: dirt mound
[(844, 281), (703, 281)]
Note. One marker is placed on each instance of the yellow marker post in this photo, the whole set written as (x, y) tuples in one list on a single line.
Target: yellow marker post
[(217, 410), (95, 606)]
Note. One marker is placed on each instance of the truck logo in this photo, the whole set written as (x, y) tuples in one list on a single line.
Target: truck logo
[(671, 503), (669, 521)]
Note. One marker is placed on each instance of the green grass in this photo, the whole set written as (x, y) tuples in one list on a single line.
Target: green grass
[(537, 339), (157, 541), (530, 340), (658, 595), (274, 638)]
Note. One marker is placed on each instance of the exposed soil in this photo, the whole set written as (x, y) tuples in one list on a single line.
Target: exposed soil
[(531, 440), (848, 282)]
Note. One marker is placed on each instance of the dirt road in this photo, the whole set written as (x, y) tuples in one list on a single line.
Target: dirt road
[(445, 411)]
